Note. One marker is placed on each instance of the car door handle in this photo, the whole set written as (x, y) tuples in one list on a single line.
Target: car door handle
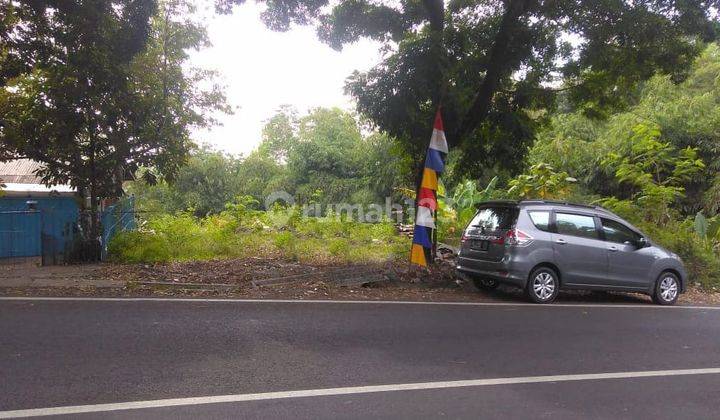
[(561, 241), (613, 249)]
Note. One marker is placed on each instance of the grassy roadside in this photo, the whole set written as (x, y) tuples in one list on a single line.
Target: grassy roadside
[(234, 278)]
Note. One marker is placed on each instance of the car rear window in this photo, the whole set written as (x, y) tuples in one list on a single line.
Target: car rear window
[(495, 218), (541, 219)]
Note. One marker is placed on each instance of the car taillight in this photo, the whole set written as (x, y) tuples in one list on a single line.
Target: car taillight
[(516, 237)]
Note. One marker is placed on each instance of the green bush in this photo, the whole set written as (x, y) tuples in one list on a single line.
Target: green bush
[(286, 244), (339, 248), (135, 247), (185, 235)]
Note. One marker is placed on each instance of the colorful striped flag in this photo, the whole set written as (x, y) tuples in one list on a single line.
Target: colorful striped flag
[(427, 195)]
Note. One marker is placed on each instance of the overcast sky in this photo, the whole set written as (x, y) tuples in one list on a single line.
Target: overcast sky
[(263, 69)]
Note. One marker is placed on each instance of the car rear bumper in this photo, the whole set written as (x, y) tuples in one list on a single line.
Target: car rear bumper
[(503, 271)]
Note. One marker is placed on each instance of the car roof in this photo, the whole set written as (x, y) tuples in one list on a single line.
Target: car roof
[(559, 204), (548, 204)]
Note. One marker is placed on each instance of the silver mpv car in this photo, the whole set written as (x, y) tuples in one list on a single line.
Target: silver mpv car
[(544, 246)]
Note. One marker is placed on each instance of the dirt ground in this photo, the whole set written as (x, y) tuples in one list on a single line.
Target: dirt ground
[(259, 278)]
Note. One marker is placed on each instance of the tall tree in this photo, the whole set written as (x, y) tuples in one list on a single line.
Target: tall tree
[(110, 96), (207, 183), (492, 63), (326, 158)]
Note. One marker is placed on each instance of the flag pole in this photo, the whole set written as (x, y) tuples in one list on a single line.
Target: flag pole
[(433, 253)]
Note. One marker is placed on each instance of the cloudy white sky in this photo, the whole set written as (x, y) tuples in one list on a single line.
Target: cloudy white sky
[(263, 70)]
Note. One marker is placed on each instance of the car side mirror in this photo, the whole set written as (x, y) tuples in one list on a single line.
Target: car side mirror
[(642, 243)]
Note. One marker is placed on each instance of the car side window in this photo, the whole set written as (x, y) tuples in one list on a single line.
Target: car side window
[(576, 225), (541, 219), (618, 233)]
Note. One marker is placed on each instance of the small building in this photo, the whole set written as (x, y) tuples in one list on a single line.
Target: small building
[(37, 223)]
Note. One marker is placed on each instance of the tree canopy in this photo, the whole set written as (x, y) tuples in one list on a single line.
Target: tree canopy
[(330, 161), (322, 158), (685, 115), (495, 65), (40, 33)]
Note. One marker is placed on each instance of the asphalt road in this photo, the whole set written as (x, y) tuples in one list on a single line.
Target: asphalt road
[(78, 352)]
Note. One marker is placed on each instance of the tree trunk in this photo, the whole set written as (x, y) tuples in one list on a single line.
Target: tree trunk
[(436, 16), (498, 67)]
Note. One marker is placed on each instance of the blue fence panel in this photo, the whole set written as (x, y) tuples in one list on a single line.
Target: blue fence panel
[(117, 218), (20, 234)]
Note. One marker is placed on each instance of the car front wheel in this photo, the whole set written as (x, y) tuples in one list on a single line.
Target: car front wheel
[(667, 289), (543, 285)]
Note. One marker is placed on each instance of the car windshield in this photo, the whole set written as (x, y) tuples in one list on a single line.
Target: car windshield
[(495, 218)]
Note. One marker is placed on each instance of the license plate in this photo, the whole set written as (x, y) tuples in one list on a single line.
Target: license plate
[(479, 245)]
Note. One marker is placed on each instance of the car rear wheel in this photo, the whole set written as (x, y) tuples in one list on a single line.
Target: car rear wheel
[(484, 283), (667, 289), (543, 285)]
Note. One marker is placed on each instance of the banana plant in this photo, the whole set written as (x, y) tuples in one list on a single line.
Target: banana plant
[(707, 228)]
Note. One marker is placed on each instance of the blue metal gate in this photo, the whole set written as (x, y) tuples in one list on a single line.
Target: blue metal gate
[(49, 228)]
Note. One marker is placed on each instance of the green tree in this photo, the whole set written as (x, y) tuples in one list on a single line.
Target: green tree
[(541, 181), (687, 115), (279, 134), (326, 159), (491, 64), (655, 170), (260, 175), (105, 101), (37, 33), (208, 182), (569, 144), (170, 97), (384, 167)]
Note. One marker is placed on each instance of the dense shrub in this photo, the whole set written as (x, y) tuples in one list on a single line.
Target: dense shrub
[(137, 247), (700, 259), (236, 234)]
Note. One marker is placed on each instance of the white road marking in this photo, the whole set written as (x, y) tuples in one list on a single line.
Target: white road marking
[(173, 402), (376, 302)]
